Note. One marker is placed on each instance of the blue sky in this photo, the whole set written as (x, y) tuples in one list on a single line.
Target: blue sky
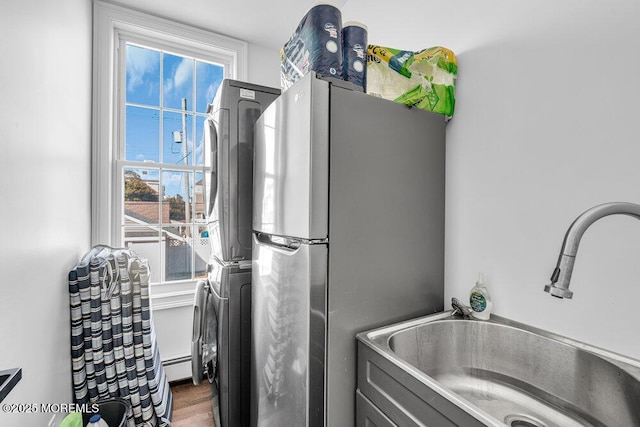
[(195, 80)]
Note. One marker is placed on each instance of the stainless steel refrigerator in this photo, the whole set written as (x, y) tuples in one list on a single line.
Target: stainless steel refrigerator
[(348, 235), (221, 338)]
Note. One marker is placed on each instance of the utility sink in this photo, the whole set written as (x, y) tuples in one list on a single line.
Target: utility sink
[(444, 370), (8, 380)]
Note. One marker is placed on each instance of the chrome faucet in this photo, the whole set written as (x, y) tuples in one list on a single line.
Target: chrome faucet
[(460, 309), (559, 286)]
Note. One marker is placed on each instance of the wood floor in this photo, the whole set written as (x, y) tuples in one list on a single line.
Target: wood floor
[(191, 404)]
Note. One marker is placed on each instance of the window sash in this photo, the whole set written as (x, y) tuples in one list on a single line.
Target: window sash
[(160, 237), (159, 233)]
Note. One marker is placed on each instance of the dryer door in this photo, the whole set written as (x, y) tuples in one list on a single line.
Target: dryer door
[(204, 338)]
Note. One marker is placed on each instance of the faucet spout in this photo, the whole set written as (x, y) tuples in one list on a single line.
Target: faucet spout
[(559, 286)]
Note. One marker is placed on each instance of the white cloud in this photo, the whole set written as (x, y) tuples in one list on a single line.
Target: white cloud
[(172, 177), (184, 72), (168, 86), (211, 92), (177, 80), (173, 183), (140, 62)]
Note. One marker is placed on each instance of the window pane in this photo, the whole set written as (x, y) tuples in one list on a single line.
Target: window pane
[(178, 253), (208, 79), (144, 241), (143, 76), (173, 152), (202, 250), (178, 81), (198, 151), (198, 199), (177, 190), (141, 186), (142, 134)]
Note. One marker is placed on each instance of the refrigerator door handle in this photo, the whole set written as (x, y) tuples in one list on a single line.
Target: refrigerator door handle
[(287, 244), (290, 244)]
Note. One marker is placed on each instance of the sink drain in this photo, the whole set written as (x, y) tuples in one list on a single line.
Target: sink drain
[(521, 420)]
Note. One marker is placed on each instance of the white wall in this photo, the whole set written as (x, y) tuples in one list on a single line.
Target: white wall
[(546, 126), (45, 130), (45, 133), (264, 66)]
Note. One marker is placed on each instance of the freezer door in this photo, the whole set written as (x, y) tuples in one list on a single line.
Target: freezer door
[(288, 318), (291, 163)]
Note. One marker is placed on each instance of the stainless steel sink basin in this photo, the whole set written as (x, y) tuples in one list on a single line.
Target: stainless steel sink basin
[(444, 370)]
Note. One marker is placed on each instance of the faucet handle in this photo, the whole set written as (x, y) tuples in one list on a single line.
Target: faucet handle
[(460, 308)]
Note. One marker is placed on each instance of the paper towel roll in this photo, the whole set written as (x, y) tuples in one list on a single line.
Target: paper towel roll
[(315, 45), (354, 53)]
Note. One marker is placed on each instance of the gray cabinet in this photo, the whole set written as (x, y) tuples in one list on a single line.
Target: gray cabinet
[(368, 414)]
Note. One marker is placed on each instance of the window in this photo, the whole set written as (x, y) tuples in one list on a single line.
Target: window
[(153, 80), (161, 164)]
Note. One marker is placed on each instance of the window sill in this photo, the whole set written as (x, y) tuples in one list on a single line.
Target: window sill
[(172, 295)]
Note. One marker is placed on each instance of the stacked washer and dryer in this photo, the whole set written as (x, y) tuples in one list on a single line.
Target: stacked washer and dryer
[(221, 340)]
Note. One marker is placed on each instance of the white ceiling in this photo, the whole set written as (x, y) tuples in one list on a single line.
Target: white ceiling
[(403, 24), (459, 25), (268, 23)]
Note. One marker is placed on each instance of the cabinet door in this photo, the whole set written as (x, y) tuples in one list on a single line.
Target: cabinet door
[(368, 414)]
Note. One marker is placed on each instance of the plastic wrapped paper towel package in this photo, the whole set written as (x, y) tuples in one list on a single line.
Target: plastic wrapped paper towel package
[(354, 51), (315, 45), (424, 79)]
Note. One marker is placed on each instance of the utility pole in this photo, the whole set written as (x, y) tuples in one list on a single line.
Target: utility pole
[(187, 200)]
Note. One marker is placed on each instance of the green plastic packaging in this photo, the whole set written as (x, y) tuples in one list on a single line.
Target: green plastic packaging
[(74, 419), (424, 79)]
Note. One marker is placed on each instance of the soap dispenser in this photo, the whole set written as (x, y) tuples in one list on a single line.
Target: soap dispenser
[(480, 301)]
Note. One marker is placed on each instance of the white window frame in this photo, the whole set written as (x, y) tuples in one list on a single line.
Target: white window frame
[(111, 24)]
